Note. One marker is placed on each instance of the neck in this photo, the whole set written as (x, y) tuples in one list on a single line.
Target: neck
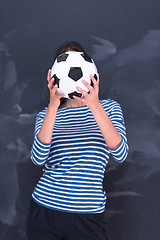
[(73, 103)]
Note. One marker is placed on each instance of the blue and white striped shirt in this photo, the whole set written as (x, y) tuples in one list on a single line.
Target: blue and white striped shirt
[(75, 160)]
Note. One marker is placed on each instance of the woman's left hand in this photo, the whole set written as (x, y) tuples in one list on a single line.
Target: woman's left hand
[(91, 99)]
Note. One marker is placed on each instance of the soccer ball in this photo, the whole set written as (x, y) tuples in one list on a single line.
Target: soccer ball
[(69, 69)]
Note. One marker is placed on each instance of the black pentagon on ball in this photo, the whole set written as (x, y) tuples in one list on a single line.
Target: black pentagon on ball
[(75, 73), (86, 57), (62, 57), (56, 81), (74, 93)]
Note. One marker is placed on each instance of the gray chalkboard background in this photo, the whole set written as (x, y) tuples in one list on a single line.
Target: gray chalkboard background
[(123, 37)]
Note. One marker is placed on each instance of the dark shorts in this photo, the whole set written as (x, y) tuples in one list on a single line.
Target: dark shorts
[(47, 224)]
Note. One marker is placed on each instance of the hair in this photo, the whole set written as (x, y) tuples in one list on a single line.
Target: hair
[(64, 47)]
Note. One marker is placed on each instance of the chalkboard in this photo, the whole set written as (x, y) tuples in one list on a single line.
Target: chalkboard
[(123, 37)]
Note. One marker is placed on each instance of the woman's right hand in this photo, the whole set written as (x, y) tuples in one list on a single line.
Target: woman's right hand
[(54, 95)]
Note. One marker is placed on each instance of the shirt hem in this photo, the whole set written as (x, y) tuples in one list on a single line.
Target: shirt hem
[(65, 211)]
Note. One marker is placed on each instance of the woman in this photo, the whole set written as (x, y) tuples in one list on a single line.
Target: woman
[(74, 138)]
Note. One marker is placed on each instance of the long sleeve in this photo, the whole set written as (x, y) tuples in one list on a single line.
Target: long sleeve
[(40, 151), (116, 116)]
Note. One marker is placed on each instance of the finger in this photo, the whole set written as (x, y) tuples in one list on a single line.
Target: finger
[(50, 84), (78, 98), (95, 83), (60, 94), (49, 75), (54, 89), (87, 85), (98, 79), (84, 93)]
